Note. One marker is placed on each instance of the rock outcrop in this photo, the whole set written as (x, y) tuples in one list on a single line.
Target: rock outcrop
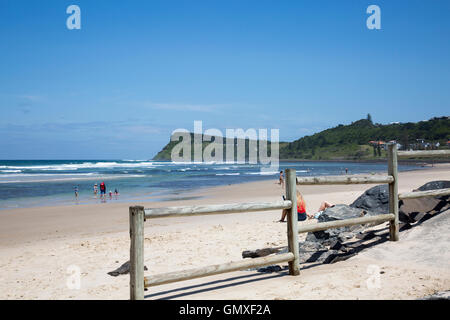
[(339, 244), (338, 212), (375, 199)]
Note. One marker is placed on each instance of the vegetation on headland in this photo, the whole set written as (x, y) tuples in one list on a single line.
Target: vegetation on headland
[(360, 140)]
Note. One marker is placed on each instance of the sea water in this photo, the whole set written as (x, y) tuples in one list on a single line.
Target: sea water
[(30, 183)]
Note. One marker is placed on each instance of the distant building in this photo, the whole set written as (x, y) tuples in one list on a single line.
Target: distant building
[(377, 143), (384, 144)]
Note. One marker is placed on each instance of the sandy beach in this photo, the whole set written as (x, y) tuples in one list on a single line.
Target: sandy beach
[(40, 246)]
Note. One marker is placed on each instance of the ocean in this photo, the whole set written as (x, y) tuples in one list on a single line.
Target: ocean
[(31, 183)]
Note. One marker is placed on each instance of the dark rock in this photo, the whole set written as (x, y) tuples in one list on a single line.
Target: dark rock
[(366, 235), (341, 212), (259, 252), (270, 269), (443, 295), (338, 212), (421, 209), (123, 269), (336, 245), (375, 199), (434, 185)]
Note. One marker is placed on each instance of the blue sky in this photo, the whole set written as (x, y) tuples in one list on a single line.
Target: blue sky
[(137, 70)]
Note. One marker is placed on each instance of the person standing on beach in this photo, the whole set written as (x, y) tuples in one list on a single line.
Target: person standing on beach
[(346, 170), (76, 192), (95, 189), (102, 189), (281, 179)]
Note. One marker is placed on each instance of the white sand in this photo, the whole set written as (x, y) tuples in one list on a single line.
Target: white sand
[(39, 245)]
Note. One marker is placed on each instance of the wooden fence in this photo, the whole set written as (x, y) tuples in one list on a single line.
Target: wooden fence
[(138, 216)]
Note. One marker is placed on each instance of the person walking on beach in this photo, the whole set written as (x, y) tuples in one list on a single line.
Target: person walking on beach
[(281, 181), (76, 192), (346, 170)]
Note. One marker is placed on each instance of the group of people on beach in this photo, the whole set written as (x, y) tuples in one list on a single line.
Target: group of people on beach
[(102, 191), (302, 215)]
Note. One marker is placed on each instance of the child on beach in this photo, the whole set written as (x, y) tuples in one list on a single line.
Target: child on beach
[(95, 189), (76, 192)]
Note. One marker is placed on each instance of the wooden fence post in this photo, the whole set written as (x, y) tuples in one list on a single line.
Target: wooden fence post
[(137, 253), (292, 221), (393, 192)]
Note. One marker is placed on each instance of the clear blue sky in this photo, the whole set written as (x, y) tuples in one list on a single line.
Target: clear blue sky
[(137, 70)]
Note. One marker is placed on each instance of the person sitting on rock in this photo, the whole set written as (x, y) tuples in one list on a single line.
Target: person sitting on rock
[(301, 209)]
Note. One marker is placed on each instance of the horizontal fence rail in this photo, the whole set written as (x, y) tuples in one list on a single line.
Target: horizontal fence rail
[(345, 223), (422, 194), (376, 179), (217, 209), (216, 269), (423, 153)]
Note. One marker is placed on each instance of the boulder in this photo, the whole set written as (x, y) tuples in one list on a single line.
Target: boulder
[(434, 185), (421, 209), (338, 212), (375, 199)]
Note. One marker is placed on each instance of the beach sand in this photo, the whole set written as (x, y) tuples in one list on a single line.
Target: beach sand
[(40, 247)]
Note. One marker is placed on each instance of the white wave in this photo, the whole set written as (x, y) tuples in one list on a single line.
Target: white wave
[(84, 165), (193, 162), (24, 178), (10, 171), (263, 173), (228, 174)]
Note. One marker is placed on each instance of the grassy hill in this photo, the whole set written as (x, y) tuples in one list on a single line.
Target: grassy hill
[(351, 142), (165, 153)]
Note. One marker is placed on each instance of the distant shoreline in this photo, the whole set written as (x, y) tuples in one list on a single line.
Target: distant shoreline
[(400, 161)]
